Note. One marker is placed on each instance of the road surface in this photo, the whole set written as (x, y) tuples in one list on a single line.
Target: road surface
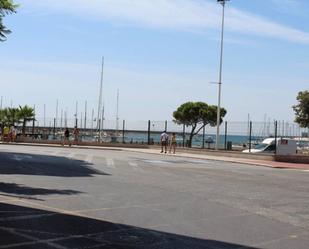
[(83, 198)]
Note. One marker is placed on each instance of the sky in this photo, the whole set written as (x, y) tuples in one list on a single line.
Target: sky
[(159, 54)]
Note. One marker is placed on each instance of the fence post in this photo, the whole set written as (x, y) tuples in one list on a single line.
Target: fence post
[(276, 129), (225, 136), (99, 131), (183, 135), (250, 133), (148, 132), (123, 128), (203, 142)]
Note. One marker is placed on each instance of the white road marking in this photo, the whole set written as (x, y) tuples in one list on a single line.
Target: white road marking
[(156, 161), (110, 163), (53, 153), (199, 161), (89, 158), (135, 166), (21, 157), (70, 156)]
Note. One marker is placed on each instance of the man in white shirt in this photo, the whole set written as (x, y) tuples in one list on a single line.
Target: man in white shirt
[(164, 141)]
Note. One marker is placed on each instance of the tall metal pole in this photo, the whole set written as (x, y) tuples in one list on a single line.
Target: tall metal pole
[(92, 117), (66, 117), (183, 135), (44, 115), (225, 136), (203, 142), (117, 113), (102, 118), (100, 95), (220, 76), (61, 120), (76, 109), (33, 120), (123, 130), (250, 136), (276, 130), (57, 104), (148, 132), (85, 122)]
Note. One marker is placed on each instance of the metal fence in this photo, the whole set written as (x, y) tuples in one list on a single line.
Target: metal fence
[(148, 132)]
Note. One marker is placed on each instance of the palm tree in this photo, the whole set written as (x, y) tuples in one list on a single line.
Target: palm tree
[(6, 7), (2, 118), (11, 116), (25, 114)]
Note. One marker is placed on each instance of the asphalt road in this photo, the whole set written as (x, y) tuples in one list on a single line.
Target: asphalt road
[(82, 198)]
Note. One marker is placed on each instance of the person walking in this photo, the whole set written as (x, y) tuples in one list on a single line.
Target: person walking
[(13, 132), (164, 141), (173, 143), (76, 135), (6, 131), (66, 138)]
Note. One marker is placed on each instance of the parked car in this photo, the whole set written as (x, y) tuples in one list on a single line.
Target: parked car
[(285, 146), (267, 146)]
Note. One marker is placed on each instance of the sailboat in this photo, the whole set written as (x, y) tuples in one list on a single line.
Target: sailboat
[(117, 136)]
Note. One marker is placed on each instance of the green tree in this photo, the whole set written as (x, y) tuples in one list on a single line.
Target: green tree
[(6, 7), (25, 114), (302, 109), (10, 116), (2, 118), (197, 115)]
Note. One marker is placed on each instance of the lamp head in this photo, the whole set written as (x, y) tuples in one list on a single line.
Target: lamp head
[(222, 1)]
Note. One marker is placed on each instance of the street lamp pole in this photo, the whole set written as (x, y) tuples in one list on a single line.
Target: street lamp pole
[(222, 2)]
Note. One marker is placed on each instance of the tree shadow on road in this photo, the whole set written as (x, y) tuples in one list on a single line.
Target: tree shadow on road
[(31, 164), (22, 227), (21, 191)]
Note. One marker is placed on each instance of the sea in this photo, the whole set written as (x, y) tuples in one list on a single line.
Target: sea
[(133, 137), (197, 141)]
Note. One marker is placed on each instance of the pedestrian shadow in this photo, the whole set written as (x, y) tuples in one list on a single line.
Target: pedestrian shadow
[(23, 227), (45, 165), (21, 191)]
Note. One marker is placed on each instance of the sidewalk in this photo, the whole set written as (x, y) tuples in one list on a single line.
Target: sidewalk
[(263, 163)]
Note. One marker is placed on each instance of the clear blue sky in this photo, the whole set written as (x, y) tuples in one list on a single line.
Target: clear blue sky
[(159, 54)]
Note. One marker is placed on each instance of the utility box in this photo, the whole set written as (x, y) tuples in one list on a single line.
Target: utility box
[(229, 145), (286, 146)]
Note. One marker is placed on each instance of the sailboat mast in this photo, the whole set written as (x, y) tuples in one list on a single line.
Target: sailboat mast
[(100, 95), (117, 113)]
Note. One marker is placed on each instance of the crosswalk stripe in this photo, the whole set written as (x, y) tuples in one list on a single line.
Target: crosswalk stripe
[(110, 162), (71, 155), (89, 158), (53, 153), (135, 166), (21, 157)]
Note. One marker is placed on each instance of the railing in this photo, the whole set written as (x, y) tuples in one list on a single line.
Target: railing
[(236, 135)]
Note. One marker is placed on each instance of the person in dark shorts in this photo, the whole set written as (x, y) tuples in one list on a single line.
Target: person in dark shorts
[(164, 141), (66, 139)]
